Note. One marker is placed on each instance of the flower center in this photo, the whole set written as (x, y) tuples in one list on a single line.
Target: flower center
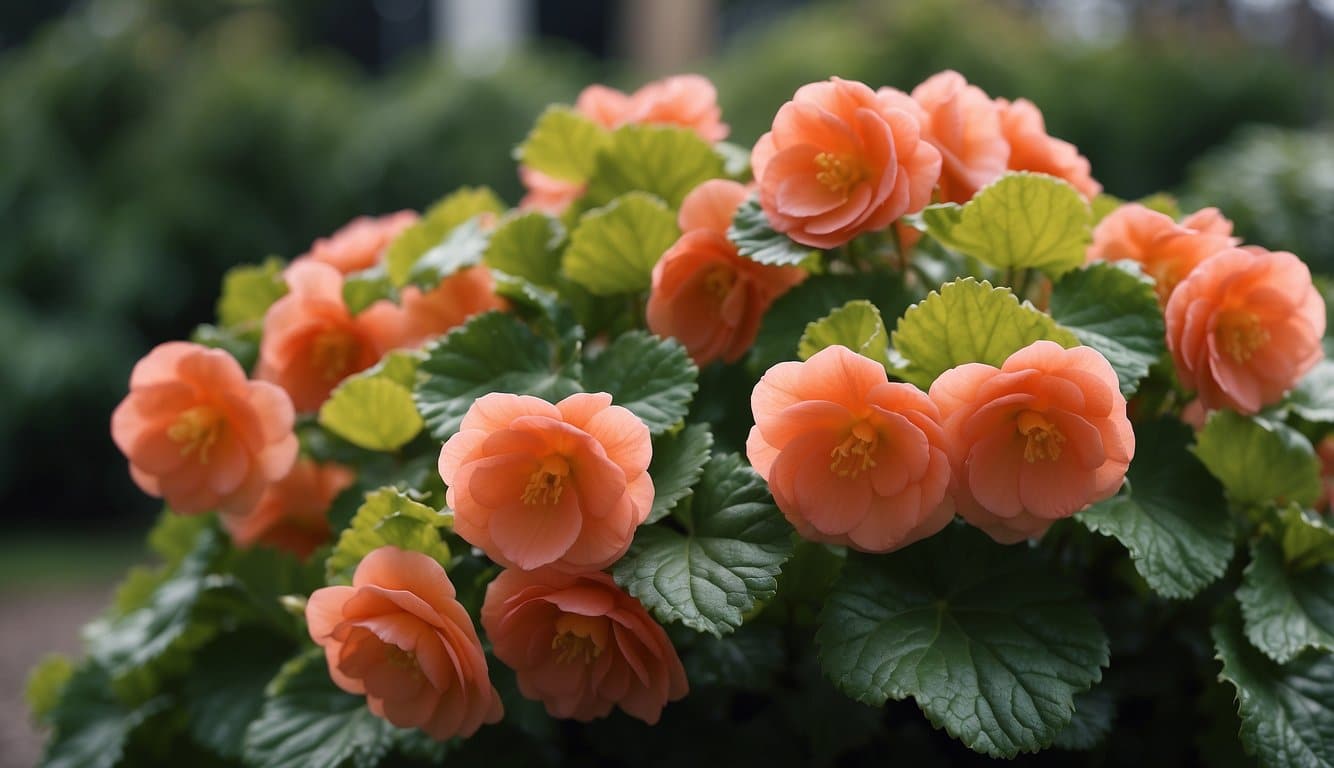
[(197, 430), (853, 456), (838, 173), (719, 282), (333, 353), (1239, 333), (548, 482), (402, 659), (579, 638), (1044, 439)]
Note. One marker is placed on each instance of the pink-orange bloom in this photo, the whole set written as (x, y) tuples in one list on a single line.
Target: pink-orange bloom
[(605, 106), (199, 434), (850, 457), (547, 194), (704, 294), (1035, 440), (1165, 250), (689, 101), (399, 636), (580, 645), (535, 484), (963, 123), (842, 160), (458, 297), (311, 342), (359, 244), (293, 513), (1244, 326), (1032, 149)]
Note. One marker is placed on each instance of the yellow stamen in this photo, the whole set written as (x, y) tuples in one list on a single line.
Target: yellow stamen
[(333, 353), (402, 659), (1044, 439), (719, 282), (197, 430), (839, 173), (548, 482), (1239, 334), (579, 638), (853, 456)]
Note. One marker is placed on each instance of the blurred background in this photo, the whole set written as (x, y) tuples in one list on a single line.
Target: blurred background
[(148, 145)]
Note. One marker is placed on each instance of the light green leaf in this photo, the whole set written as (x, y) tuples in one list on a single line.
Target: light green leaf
[(45, 684), (1313, 398), (563, 144), (1287, 711), (652, 377), (855, 325), (969, 322), (492, 352), (248, 291), (678, 462), (613, 249), (1162, 203), (1307, 539), (756, 239), (372, 412), (223, 696), (736, 160), (1021, 221), (173, 537), (1104, 204), (462, 248), (398, 366), (1172, 517), (991, 642), (1286, 610), (1094, 710), (364, 288), (434, 226), (387, 518), (663, 160), (1115, 311), (528, 246), (733, 547), (90, 724), (1259, 461)]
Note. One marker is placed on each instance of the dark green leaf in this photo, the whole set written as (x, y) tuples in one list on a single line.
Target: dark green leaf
[(1286, 610), (1313, 398), (1307, 539), (1094, 710), (678, 462), (91, 726), (756, 239), (1258, 460), (652, 377), (225, 694), (1115, 311), (748, 659)]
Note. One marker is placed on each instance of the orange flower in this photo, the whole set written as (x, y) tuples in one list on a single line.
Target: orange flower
[(1032, 149), (840, 161), (963, 123), (1244, 326), (605, 106), (536, 484), (705, 294), (292, 515), (458, 297), (399, 636), (1167, 251), (311, 342), (1035, 440), (689, 101), (200, 435), (580, 645), (547, 194), (359, 243), (850, 457)]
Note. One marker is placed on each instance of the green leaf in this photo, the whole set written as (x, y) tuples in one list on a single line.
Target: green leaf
[(492, 352), (652, 377), (372, 412), (461, 248), (728, 557), (1313, 397), (678, 463), (855, 325), (433, 227), (90, 725), (1259, 461), (1162, 203), (1286, 610), (1094, 710), (1020, 221), (736, 160), (1172, 518), (223, 696), (398, 366), (563, 144), (173, 537), (310, 722), (991, 642), (45, 684), (240, 342), (527, 246), (1115, 311), (364, 288), (756, 239), (748, 659), (387, 518), (1305, 537), (1287, 711), (614, 248), (663, 160), (248, 291), (969, 322)]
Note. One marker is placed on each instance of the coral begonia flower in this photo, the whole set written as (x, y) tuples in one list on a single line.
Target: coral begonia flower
[(547, 194), (359, 244), (198, 434), (293, 513), (963, 123), (1035, 440), (311, 342), (580, 645), (850, 457), (536, 484), (1032, 149), (1167, 251), (841, 160), (1244, 326), (605, 106), (689, 101), (428, 314), (399, 636), (704, 293)]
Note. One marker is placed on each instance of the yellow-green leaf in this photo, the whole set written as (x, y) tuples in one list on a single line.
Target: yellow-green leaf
[(667, 161), (375, 413), (563, 144), (614, 248), (248, 291), (855, 325), (387, 518), (434, 226)]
